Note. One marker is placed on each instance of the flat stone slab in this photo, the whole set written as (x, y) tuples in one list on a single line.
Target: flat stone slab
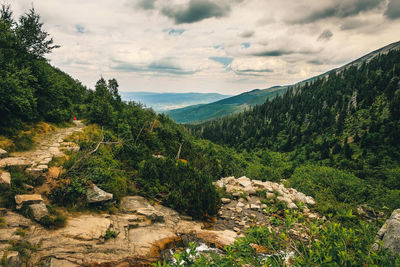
[(14, 162), (86, 227), (21, 200)]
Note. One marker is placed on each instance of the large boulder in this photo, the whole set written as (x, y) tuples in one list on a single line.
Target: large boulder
[(390, 233), (22, 200), (5, 178), (96, 195), (39, 211), (3, 153)]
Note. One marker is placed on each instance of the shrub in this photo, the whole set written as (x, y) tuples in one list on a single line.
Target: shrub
[(179, 186)]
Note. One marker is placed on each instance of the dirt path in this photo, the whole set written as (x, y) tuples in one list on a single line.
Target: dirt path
[(50, 145)]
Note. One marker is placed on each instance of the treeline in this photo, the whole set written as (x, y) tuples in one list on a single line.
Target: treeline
[(30, 88), (349, 120)]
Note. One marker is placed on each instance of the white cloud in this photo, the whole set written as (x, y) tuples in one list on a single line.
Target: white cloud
[(130, 40)]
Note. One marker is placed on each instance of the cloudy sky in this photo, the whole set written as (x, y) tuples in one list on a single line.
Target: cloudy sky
[(225, 46)]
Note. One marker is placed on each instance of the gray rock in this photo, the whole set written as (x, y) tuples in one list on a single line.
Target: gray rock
[(3, 153), (390, 233), (39, 211), (292, 206), (5, 178), (96, 195)]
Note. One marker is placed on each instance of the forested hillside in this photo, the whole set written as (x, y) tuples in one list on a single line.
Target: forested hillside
[(30, 88), (349, 120)]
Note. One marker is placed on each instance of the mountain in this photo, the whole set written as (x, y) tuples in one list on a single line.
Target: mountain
[(238, 103), (227, 106), (166, 101)]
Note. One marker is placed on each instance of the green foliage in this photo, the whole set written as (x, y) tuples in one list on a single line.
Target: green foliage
[(23, 247), (30, 88), (110, 234), (179, 185)]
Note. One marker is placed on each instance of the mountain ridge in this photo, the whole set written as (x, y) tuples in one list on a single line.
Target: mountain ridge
[(238, 103)]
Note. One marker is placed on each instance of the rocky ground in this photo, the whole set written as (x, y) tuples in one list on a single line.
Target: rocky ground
[(139, 233)]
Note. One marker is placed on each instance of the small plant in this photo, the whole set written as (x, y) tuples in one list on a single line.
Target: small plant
[(2, 222), (20, 232), (23, 247), (110, 234), (261, 194)]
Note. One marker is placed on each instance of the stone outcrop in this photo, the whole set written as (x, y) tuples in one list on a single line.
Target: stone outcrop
[(95, 195), (139, 238), (250, 187), (390, 233), (250, 201), (5, 178)]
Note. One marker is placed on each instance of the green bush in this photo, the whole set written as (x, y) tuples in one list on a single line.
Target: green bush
[(179, 185), (342, 186)]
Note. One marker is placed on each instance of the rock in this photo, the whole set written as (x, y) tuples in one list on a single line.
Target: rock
[(5, 178), (240, 204), (225, 200), (8, 234), (236, 229), (292, 206), (270, 195), (39, 211), (14, 162), (250, 190), (86, 227), (219, 239), (258, 184), (367, 212), (244, 181), (22, 200), (390, 233), (3, 153), (310, 201), (60, 263), (254, 207), (13, 259), (312, 216), (95, 195), (284, 199)]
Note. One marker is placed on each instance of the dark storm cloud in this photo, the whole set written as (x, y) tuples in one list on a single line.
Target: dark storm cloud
[(196, 10), (341, 9), (325, 36), (146, 4), (393, 9)]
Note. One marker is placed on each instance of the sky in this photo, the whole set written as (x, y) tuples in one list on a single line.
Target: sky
[(223, 46)]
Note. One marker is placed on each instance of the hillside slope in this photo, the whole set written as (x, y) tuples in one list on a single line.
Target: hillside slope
[(236, 104), (230, 105), (166, 101)]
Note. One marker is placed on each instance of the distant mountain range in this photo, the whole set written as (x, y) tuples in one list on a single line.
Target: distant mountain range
[(204, 112), (161, 102)]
